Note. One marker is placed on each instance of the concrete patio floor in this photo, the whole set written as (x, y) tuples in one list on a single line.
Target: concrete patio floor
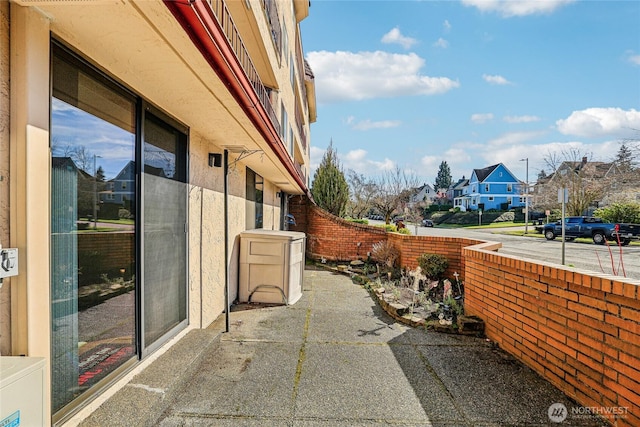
[(334, 358)]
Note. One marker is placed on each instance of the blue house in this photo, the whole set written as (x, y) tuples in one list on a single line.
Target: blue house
[(493, 187)]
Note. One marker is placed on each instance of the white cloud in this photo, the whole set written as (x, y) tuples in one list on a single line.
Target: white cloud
[(430, 162), (521, 119), (457, 155), (513, 8), (446, 26), (495, 79), (633, 58), (315, 157), (594, 122), (385, 165), (514, 138), (480, 118), (368, 124), (441, 43), (395, 37), (356, 155), (348, 76)]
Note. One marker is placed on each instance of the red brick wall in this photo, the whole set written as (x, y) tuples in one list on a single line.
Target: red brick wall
[(107, 253), (580, 331), (335, 239)]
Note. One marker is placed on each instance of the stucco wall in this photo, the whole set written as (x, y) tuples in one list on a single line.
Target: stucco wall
[(5, 302)]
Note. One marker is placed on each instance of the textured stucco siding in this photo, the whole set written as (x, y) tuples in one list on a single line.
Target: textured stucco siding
[(5, 302)]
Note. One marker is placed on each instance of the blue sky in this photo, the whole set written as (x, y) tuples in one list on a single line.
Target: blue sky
[(472, 82)]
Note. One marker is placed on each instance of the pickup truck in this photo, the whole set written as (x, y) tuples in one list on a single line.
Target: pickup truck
[(594, 228)]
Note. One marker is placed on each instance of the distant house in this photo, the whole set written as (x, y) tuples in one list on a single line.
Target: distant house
[(119, 192), (604, 180), (457, 188), (493, 187), (424, 193)]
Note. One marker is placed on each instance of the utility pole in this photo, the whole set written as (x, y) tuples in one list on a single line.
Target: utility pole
[(526, 198), (95, 193)]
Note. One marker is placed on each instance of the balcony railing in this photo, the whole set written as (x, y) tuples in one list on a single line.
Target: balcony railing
[(271, 10), (299, 169), (230, 30), (299, 123)]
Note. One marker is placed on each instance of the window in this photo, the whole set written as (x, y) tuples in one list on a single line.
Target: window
[(291, 141), (292, 71), (486, 188), (491, 198), (285, 123), (254, 195), (509, 188)]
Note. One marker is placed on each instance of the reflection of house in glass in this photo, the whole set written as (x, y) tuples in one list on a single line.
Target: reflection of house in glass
[(119, 193), (84, 184)]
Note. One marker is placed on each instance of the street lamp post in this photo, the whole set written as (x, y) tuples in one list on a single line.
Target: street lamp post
[(526, 197)]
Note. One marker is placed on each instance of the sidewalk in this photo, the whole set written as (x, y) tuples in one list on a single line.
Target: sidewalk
[(332, 359)]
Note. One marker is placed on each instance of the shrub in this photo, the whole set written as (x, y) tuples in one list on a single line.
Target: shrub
[(433, 265), (404, 230), (385, 253), (620, 212), (358, 220), (390, 228)]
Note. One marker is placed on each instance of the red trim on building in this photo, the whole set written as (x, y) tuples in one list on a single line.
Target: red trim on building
[(198, 21)]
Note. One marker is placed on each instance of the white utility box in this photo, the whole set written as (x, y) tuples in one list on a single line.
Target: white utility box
[(22, 391), (271, 266)]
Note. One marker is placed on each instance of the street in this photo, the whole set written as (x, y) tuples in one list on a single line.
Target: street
[(602, 259)]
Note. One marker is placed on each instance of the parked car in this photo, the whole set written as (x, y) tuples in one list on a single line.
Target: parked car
[(594, 228), (427, 223)]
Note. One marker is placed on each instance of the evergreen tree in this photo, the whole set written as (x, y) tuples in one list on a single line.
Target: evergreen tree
[(329, 188), (100, 174), (443, 180), (625, 159)]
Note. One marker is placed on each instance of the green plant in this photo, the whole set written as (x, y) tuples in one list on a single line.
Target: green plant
[(404, 230), (433, 265), (329, 188), (358, 220), (456, 307), (620, 212)]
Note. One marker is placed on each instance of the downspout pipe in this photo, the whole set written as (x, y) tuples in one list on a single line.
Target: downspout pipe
[(227, 306)]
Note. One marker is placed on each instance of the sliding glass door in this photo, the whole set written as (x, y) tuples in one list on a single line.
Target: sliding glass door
[(118, 229), (165, 219), (93, 225)]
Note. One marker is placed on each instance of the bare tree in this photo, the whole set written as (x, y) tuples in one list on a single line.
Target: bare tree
[(393, 191), (583, 179), (361, 192)]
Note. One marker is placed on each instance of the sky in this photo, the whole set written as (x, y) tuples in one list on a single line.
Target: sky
[(410, 84)]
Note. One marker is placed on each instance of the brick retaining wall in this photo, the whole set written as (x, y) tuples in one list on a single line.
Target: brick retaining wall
[(580, 331)]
